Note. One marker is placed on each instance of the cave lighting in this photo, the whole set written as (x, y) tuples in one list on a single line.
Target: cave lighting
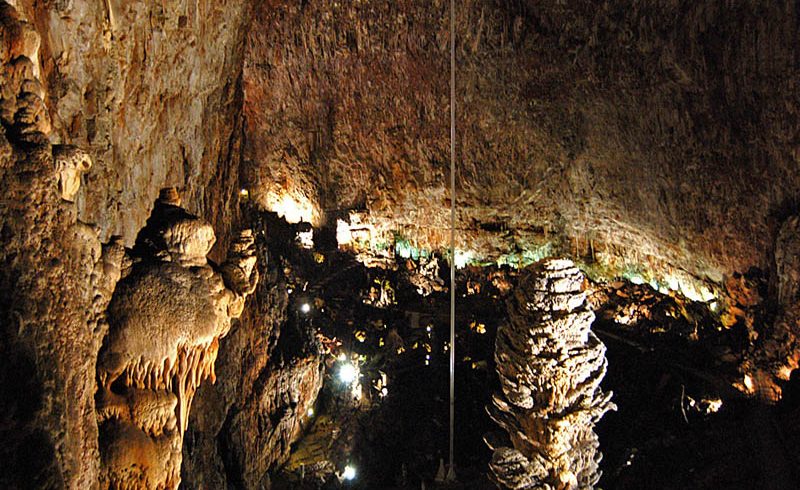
[(310, 412), (343, 235), (306, 239), (384, 392), (713, 405), (349, 472), (294, 207), (305, 308), (464, 257), (244, 192), (347, 373)]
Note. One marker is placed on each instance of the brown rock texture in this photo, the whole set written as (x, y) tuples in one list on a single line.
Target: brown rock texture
[(55, 282), (663, 134), (151, 91), (268, 377), (774, 351), (550, 366), (166, 318), (139, 95)]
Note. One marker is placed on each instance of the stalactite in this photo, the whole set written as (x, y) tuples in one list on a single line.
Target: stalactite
[(166, 318), (550, 366)]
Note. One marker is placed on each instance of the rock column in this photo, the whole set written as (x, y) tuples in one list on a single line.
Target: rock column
[(550, 366)]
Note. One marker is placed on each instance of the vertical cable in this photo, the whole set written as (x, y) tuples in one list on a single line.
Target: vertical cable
[(451, 472)]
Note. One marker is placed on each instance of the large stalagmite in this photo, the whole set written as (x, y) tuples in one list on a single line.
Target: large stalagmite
[(166, 318), (550, 366)]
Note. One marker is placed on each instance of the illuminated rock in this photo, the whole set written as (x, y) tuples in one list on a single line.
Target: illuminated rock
[(71, 163), (775, 354), (166, 318), (550, 366)]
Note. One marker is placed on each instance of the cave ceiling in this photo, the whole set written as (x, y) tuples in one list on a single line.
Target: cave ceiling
[(662, 136)]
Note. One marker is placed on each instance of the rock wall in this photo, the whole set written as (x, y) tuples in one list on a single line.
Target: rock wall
[(151, 90), (245, 424), (123, 98), (55, 282), (166, 317), (661, 133)]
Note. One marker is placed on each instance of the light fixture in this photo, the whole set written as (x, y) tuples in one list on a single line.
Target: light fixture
[(310, 412), (347, 373), (349, 472), (305, 308)]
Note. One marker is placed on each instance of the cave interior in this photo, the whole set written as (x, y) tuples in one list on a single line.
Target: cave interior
[(225, 238)]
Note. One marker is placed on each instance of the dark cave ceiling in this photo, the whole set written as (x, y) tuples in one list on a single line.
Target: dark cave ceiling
[(656, 136)]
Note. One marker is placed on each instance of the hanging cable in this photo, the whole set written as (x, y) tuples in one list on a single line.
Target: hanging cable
[(451, 471)]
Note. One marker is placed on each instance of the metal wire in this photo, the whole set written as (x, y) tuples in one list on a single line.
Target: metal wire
[(451, 472)]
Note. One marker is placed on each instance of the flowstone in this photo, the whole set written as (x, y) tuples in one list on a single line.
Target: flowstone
[(550, 366), (165, 321)]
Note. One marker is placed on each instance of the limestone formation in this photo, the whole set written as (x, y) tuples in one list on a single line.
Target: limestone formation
[(550, 366), (71, 163), (166, 319), (775, 354), (22, 109)]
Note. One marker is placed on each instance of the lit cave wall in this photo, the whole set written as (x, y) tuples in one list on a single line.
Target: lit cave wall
[(224, 239)]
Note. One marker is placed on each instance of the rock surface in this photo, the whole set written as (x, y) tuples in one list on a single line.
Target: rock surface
[(166, 319), (550, 366), (243, 426), (146, 95), (55, 282), (151, 91), (662, 134)]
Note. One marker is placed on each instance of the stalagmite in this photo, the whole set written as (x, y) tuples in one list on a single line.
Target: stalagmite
[(165, 321), (550, 366)]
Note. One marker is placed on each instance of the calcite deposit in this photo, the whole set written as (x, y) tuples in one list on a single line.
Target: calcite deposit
[(55, 283), (774, 351), (166, 320), (550, 366)]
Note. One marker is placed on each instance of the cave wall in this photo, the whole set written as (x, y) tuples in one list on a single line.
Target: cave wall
[(152, 93), (658, 133), (268, 376), (151, 89)]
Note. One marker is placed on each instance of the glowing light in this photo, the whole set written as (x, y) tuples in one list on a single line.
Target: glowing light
[(343, 235), (713, 405), (306, 239), (748, 383), (347, 373), (384, 391), (310, 412), (464, 257), (637, 280), (349, 473), (293, 207), (428, 328), (244, 192), (305, 308), (342, 357)]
